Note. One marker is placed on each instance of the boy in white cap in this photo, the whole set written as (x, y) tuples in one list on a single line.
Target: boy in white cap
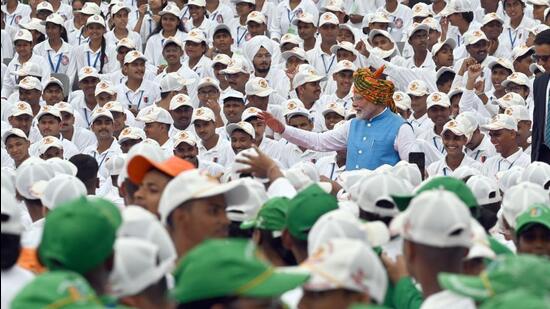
[(306, 30), (30, 91), (181, 110), (522, 60), (53, 91), (129, 137), (418, 91), (212, 146), (521, 115), (307, 85), (284, 15), (85, 104), (479, 147), (80, 136), (492, 27), (172, 51), (237, 74), (342, 76), (400, 16), (120, 116), (333, 114), (20, 116), (220, 63), (186, 147), (242, 135), (256, 23), (439, 112), (208, 93), (17, 145), (418, 39), (49, 147), (49, 124), (477, 47), (321, 57), (503, 131), (261, 96), (233, 105), (403, 104), (196, 46), (519, 83), (157, 126)]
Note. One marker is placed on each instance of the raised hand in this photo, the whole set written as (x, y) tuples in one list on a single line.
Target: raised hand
[(272, 122)]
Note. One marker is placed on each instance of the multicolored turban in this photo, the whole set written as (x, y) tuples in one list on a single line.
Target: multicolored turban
[(373, 88)]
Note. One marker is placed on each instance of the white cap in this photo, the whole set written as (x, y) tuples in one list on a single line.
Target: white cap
[(134, 55), (456, 6), (53, 80), (184, 137), (377, 17), (34, 24), (334, 107), (30, 83), (305, 17), (407, 171), (95, 19), (208, 81), (90, 8), (64, 107), (29, 175), (344, 65), (126, 42), (328, 18), (481, 248), (62, 166), (131, 133), (297, 111), (436, 218), (518, 112), (464, 171), (136, 266), (535, 68), (437, 46), (519, 197), (343, 45), (114, 106), (501, 121), (485, 189), (258, 86), (174, 82), (539, 2), (537, 172), (237, 65), (12, 211), (248, 209), (47, 142), (443, 70), (375, 191), (29, 68), (250, 112), (115, 164), (502, 62), (21, 108), (232, 93), (510, 99), (469, 120), (421, 10), (297, 52), (196, 35), (48, 110), (457, 128), (432, 23), (454, 91), (154, 113), (86, 72), (341, 223), (517, 78), (118, 7), (192, 184), (346, 264), (221, 58), (203, 113), (180, 100), (520, 51), (474, 36), (334, 6), (44, 5), (60, 189), (256, 17), (511, 177), (174, 40), (417, 88), (439, 99), (306, 74), (290, 38), (490, 17), (241, 125), (402, 100), (101, 112), (23, 35), (172, 8), (197, 2), (11, 132), (417, 27)]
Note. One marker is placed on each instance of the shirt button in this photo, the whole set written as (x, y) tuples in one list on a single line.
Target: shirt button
[(364, 138), (360, 151), (368, 125), (356, 166)]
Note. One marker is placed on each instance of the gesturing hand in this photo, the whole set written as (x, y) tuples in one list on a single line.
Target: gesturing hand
[(260, 165), (272, 122)]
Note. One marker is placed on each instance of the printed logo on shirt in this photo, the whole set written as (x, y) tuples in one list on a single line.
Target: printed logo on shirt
[(18, 19), (219, 19), (248, 37), (64, 60), (398, 23)]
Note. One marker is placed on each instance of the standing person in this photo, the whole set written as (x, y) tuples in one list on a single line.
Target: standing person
[(377, 136), (541, 92), (56, 48), (119, 13)]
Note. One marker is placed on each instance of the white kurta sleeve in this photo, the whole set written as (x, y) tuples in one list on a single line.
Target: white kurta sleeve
[(332, 140), (405, 142)]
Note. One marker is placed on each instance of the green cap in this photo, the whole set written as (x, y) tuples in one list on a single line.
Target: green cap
[(79, 235), (305, 208), (451, 184), (497, 247), (536, 214), (57, 289), (271, 217), (520, 298), (233, 268), (506, 273)]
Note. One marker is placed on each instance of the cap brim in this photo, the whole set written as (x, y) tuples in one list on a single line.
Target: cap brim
[(469, 286), (248, 224), (140, 165), (402, 201), (277, 283), (480, 251), (531, 222)]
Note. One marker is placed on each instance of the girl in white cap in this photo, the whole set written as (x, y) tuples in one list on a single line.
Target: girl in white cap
[(16, 12), (148, 17), (119, 18), (56, 48), (199, 17), (169, 25)]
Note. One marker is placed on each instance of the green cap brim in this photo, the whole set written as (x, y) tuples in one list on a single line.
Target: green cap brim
[(498, 248), (276, 283), (531, 222), (470, 286), (402, 201), (249, 224)]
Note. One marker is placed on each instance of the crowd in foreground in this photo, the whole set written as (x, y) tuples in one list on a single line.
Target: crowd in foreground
[(275, 154)]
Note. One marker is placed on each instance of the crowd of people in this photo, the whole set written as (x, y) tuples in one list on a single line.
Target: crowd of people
[(275, 154)]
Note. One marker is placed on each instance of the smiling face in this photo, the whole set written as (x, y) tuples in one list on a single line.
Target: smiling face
[(172, 53), (503, 140), (103, 128), (344, 80), (439, 114), (135, 69), (49, 125), (514, 9), (205, 129), (479, 50), (17, 148), (170, 22), (492, 29), (233, 109), (453, 143), (240, 141), (498, 75)]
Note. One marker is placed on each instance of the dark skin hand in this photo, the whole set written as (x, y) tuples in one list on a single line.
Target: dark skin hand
[(261, 166)]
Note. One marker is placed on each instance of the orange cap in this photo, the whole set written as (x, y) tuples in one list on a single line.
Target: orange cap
[(140, 165)]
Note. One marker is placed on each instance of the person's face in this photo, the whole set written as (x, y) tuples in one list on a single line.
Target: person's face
[(311, 91), (492, 29), (345, 35), (538, 12), (523, 91), (194, 50), (23, 48), (293, 62), (524, 130), (240, 141), (433, 38), (119, 121), (31, 96), (17, 148), (104, 97), (205, 129), (439, 114), (343, 54), (255, 28), (43, 14), (156, 4), (77, 6), (513, 8), (95, 31), (329, 32), (288, 46), (52, 94), (378, 26), (186, 152), (344, 80), (120, 54), (332, 118), (88, 85), (445, 87), (233, 110), (337, 298), (237, 80), (534, 240), (259, 128), (49, 125), (243, 9), (257, 101), (455, 18), (126, 145), (222, 41), (306, 30), (172, 53), (364, 108), (455, 107), (382, 42), (405, 114), (208, 93), (182, 116), (300, 122), (418, 103), (121, 19), (103, 128), (478, 51), (542, 55), (22, 122), (218, 67), (53, 30), (170, 22), (262, 60), (150, 190), (135, 69), (419, 40), (444, 57), (52, 152), (522, 65), (453, 143), (155, 130), (502, 139), (67, 121), (498, 75)]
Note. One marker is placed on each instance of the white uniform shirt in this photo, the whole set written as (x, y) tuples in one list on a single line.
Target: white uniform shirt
[(21, 14), (9, 83), (511, 38), (497, 163), (83, 138), (221, 153), (321, 61), (421, 124), (434, 139), (134, 36), (327, 166), (449, 300), (483, 151), (440, 168), (58, 61), (281, 22), (153, 48), (84, 56), (203, 68), (146, 95), (401, 19), (69, 149), (103, 173), (221, 15)]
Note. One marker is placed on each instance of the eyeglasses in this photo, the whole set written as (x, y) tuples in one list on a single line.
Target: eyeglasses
[(543, 58)]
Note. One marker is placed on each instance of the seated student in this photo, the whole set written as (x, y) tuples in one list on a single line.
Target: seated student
[(222, 42), (444, 79), (242, 135), (196, 46), (532, 232), (17, 146), (85, 102), (522, 117), (49, 147), (129, 137), (49, 124), (212, 146), (417, 37), (256, 24), (503, 131), (20, 116), (291, 59), (119, 76), (185, 147), (53, 91), (220, 63), (307, 86), (171, 85), (480, 147), (519, 83), (264, 56), (343, 78), (208, 93), (172, 51), (403, 104), (509, 99), (522, 59), (157, 126), (491, 25), (454, 138), (333, 114), (199, 18), (233, 105), (181, 111), (439, 111), (80, 136), (119, 116), (27, 69), (418, 91), (237, 74), (306, 25)]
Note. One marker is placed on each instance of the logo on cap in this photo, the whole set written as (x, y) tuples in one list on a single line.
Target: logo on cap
[(262, 83), (22, 106), (436, 97), (48, 140), (291, 105), (477, 33), (108, 105), (507, 97), (327, 17), (183, 135), (126, 131), (103, 85), (509, 112), (135, 53), (513, 76), (413, 86), (535, 212), (451, 124), (199, 112), (417, 8), (88, 70), (398, 97)]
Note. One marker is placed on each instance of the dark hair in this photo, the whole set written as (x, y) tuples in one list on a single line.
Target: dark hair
[(11, 246), (520, 1), (498, 66), (543, 37), (208, 303), (276, 243), (63, 33), (370, 216), (87, 168), (468, 16), (235, 231), (445, 78), (157, 293), (180, 27)]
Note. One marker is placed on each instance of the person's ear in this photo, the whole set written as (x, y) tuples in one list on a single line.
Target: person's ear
[(286, 240)]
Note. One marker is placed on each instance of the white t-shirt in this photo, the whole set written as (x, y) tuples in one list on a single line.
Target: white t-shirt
[(13, 280)]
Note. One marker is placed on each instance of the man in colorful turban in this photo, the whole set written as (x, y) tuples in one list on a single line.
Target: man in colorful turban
[(377, 136)]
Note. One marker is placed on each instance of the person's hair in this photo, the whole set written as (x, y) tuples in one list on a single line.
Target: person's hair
[(87, 169), (520, 1), (157, 293), (370, 216), (527, 55), (208, 303), (102, 54), (468, 16), (41, 38), (235, 231), (445, 78), (157, 30), (130, 188), (276, 243), (543, 37), (498, 66), (488, 215), (222, 30), (11, 246)]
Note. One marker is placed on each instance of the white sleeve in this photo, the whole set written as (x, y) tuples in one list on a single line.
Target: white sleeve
[(405, 142), (470, 102), (332, 140), (275, 24)]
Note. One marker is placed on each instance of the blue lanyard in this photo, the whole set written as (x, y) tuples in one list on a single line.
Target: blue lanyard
[(86, 116), (95, 61), (288, 11), (139, 102), (444, 171), (240, 38), (332, 170), (458, 40), (213, 16), (15, 76), (435, 144), (512, 41), (477, 154), (509, 167), (56, 68), (150, 26), (102, 159), (330, 65), (12, 19)]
